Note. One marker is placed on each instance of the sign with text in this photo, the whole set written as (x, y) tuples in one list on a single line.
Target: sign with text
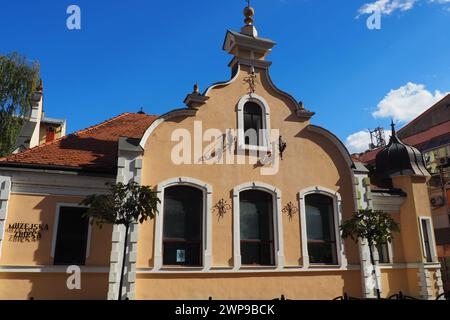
[(25, 232)]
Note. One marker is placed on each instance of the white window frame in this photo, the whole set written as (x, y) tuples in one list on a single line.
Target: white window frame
[(265, 134), (56, 224), (277, 225), (206, 223), (430, 229), (337, 206)]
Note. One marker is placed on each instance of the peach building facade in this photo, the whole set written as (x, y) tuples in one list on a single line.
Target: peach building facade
[(242, 215)]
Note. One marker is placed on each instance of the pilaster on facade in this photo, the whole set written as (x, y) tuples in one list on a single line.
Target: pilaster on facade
[(115, 266), (129, 167), (439, 283), (5, 190), (370, 274), (425, 281), (366, 269)]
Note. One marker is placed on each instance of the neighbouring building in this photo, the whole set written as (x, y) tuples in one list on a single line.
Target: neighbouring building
[(430, 133), (252, 196), (39, 129)]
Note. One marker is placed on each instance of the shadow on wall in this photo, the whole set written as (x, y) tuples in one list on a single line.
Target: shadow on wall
[(52, 283), (397, 280), (343, 184), (99, 152), (262, 286)]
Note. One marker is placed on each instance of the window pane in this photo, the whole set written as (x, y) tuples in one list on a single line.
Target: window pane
[(320, 229), (249, 221), (253, 123), (256, 227), (257, 253), (426, 240), (71, 238), (322, 252), (182, 225), (182, 253), (383, 253)]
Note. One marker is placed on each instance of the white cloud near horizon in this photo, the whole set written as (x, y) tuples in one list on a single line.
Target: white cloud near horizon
[(407, 102), (402, 105), (359, 141)]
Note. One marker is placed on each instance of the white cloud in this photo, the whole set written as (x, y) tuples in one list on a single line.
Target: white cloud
[(439, 1), (407, 102), (402, 105), (387, 7), (359, 142)]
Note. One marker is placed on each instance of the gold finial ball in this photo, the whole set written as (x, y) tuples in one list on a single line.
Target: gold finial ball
[(196, 88), (249, 13)]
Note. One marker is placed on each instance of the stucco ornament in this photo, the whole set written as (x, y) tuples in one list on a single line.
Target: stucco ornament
[(290, 209), (221, 207), (251, 81)]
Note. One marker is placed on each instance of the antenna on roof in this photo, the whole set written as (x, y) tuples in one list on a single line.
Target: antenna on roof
[(141, 111), (377, 139)]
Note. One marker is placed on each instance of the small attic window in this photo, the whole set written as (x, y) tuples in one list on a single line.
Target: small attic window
[(253, 123)]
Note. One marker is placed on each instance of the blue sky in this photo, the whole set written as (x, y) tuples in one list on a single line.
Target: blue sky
[(137, 53)]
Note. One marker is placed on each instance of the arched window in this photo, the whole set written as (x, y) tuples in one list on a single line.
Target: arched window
[(320, 226), (256, 228), (253, 124), (182, 226)]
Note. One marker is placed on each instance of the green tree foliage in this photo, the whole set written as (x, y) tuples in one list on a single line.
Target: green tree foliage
[(19, 80), (123, 205), (377, 227)]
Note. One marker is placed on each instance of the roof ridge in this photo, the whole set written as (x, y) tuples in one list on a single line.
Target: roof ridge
[(424, 113), (82, 131)]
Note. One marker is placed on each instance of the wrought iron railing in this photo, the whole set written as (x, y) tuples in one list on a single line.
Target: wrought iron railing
[(398, 296)]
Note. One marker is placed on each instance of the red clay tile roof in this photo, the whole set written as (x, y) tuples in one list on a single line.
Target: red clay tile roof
[(369, 156), (93, 149), (415, 140)]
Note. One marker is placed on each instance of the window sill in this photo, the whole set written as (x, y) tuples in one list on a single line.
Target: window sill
[(258, 267), (325, 266), (181, 268), (247, 147)]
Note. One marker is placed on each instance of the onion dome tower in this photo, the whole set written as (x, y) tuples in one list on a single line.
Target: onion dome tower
[(398, 159)]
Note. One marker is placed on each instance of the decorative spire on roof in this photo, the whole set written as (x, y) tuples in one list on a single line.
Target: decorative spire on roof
[(196, 89), (398, 159), (394, 137), (249, 12), (393, 127), (249, 29)]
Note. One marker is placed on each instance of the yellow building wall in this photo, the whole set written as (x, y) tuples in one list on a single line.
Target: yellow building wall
[(43, 133), (51, 286), (264, 286), (395, 280), (41, 209), (309, 160), (416, 204)]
